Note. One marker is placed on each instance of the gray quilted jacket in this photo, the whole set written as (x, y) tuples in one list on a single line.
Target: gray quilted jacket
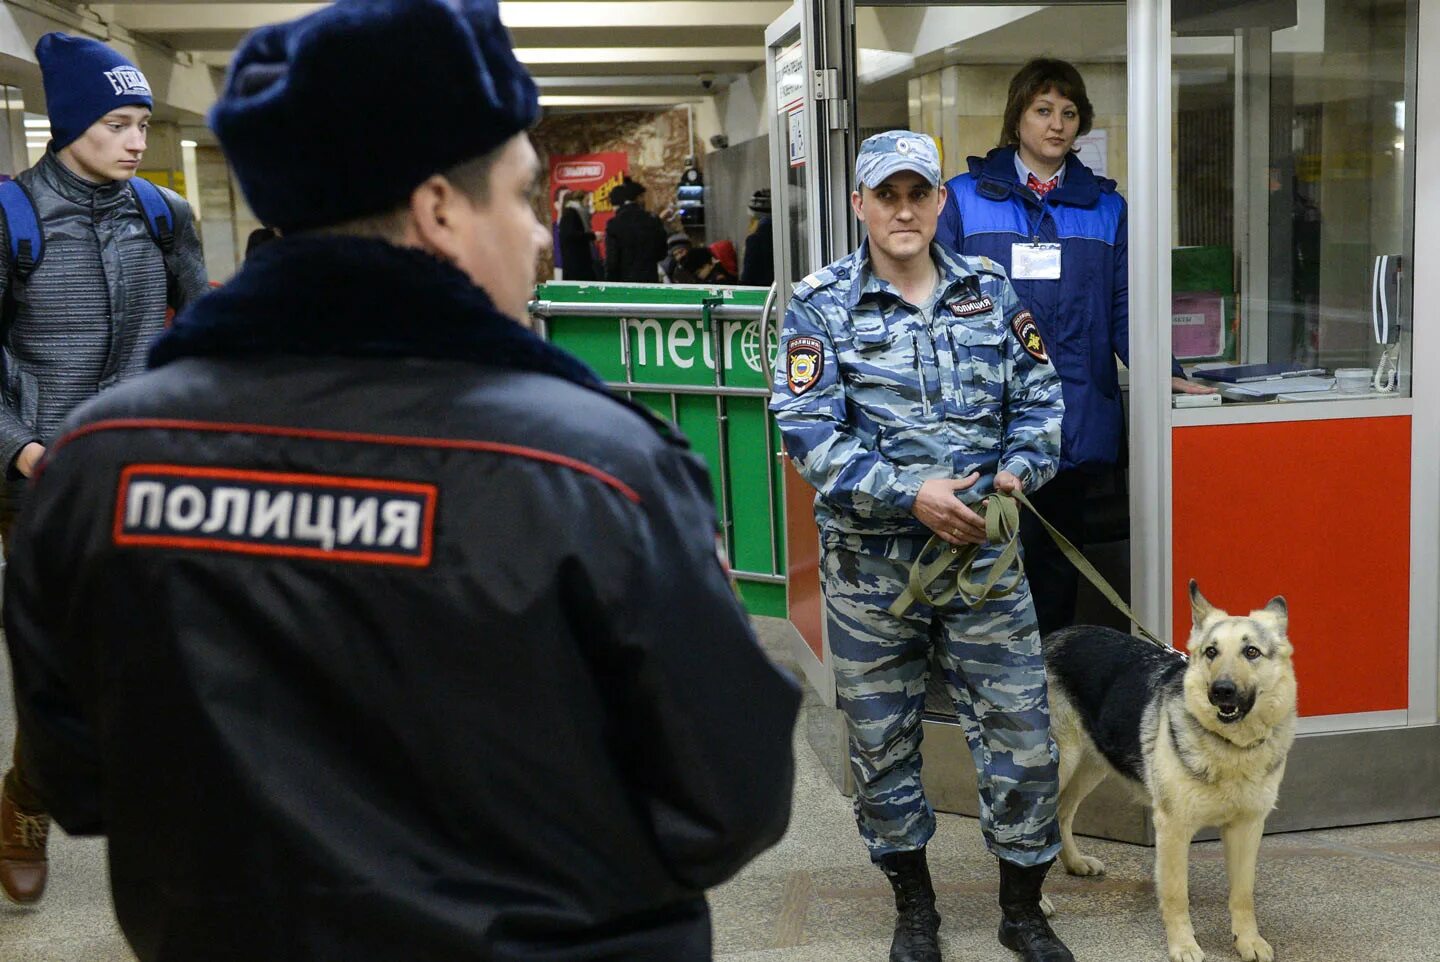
[(87, 315)]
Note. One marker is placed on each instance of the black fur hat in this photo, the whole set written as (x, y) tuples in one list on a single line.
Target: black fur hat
[(341, 114)]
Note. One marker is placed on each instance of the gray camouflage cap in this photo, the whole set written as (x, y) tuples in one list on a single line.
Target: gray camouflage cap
[(896, 150)]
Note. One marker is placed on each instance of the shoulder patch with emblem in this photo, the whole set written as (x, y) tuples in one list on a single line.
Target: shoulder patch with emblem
[(1029, 334), (804, 360)]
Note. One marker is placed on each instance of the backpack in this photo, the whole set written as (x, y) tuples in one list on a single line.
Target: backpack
[(27, 240)]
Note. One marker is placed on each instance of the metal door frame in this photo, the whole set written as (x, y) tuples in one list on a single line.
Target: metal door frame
[(1148, 107)]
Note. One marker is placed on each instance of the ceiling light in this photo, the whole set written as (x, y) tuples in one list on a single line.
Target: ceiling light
[(188, 143)]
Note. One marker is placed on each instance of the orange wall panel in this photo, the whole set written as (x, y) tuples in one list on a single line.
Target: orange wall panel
[(802, 540), (1318, 511)]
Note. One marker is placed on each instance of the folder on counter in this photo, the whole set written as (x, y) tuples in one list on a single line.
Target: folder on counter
[(1245, 373)]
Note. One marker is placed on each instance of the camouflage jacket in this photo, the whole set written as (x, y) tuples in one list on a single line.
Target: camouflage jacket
[(873, 399)]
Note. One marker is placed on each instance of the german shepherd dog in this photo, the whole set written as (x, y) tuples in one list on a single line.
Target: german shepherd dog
[(1202, 740)]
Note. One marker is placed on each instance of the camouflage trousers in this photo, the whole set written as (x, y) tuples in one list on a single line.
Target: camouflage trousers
[(995, 675)]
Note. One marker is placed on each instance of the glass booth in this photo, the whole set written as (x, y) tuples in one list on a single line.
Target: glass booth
[(1268, 154)]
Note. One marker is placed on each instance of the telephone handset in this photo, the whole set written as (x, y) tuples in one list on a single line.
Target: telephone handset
[(1385, 318)]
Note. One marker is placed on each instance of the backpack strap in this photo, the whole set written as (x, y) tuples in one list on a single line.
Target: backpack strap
[(158, 215), (22, 226)]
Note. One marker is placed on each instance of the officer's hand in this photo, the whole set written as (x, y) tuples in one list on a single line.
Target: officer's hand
[(942, 512), (28, 457), (1008, 483), (1178, 385)]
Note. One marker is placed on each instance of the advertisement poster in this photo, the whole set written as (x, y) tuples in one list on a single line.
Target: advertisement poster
[(595, 173)]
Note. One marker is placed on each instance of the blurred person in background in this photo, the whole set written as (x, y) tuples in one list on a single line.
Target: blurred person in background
[(81, 311), (635, 239)]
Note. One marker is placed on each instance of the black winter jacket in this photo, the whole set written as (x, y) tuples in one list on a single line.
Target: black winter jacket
[(369, 626), (634, 246), (88, 314), (577, 246), (758, 270)]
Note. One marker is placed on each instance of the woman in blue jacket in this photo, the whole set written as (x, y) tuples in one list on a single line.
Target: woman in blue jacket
[(1059, 231)]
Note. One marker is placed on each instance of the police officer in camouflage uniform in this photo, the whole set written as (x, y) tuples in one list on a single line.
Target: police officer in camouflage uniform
[(911, 385)]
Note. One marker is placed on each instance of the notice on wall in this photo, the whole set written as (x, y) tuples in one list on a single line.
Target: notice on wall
[(789, 78), (796, 123), (1197, 326), (1094, 151)]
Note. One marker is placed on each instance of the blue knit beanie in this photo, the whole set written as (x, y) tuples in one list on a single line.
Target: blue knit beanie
[(343, 113), (84, 81)]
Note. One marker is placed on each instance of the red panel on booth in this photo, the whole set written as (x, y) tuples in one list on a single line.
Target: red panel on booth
[(803, 569), (1318, 511)]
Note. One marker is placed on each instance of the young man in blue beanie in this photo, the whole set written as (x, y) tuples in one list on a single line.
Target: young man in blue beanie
[(400, 636), (79, 313)]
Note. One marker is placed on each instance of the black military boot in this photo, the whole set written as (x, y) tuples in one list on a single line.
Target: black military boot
[(1023, 926), (917, 927)]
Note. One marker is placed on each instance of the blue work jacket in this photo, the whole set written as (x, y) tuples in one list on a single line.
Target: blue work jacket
[(1084, 315)]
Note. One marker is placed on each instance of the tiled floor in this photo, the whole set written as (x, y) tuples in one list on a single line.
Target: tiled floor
[(1353, 895)]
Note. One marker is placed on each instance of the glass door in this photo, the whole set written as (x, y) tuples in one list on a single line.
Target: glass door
[(797, 186), (1294, 190), (945, 69)]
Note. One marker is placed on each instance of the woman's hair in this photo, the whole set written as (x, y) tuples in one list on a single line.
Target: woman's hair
[(1034, 79)]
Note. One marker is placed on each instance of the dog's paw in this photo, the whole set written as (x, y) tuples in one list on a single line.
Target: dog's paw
[(1085, 865), (1252, 948), (1047, 906), (1187, 952)]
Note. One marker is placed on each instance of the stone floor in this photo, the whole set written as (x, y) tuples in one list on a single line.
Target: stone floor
[(1353, 895)]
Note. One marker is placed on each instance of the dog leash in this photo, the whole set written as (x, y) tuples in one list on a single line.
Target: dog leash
[(1001, 511)]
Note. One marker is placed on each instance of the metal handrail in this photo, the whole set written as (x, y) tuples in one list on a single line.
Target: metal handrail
[(689, 312), (655, 387), (766, 313)]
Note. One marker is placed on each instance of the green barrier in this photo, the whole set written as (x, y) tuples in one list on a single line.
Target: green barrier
[(693, 355)]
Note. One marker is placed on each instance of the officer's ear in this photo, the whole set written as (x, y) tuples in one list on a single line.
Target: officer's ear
[(940, 194), (857, 204), (436, 209)]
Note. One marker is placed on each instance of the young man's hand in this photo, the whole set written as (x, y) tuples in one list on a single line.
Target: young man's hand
[(28, 457), (939, 510)]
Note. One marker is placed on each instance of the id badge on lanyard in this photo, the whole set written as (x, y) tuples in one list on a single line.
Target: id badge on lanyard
[(1035, 262)]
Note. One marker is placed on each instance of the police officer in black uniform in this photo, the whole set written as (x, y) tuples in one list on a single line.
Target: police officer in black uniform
[(368, 625)]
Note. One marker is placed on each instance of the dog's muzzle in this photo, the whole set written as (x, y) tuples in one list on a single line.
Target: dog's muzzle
[(1231, 704)]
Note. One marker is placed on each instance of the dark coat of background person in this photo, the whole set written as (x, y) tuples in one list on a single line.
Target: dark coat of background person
[(758, 270), (634, 246), (545, 742), (88, 314), (577, 247)]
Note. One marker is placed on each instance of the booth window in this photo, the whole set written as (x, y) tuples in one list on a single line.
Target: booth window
[(1293, 194)]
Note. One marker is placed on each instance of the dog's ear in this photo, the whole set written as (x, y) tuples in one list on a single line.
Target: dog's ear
[(1200, 609), (1280, 611)]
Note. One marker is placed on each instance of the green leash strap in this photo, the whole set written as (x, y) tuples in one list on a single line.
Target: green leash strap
[(1002, 526)]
